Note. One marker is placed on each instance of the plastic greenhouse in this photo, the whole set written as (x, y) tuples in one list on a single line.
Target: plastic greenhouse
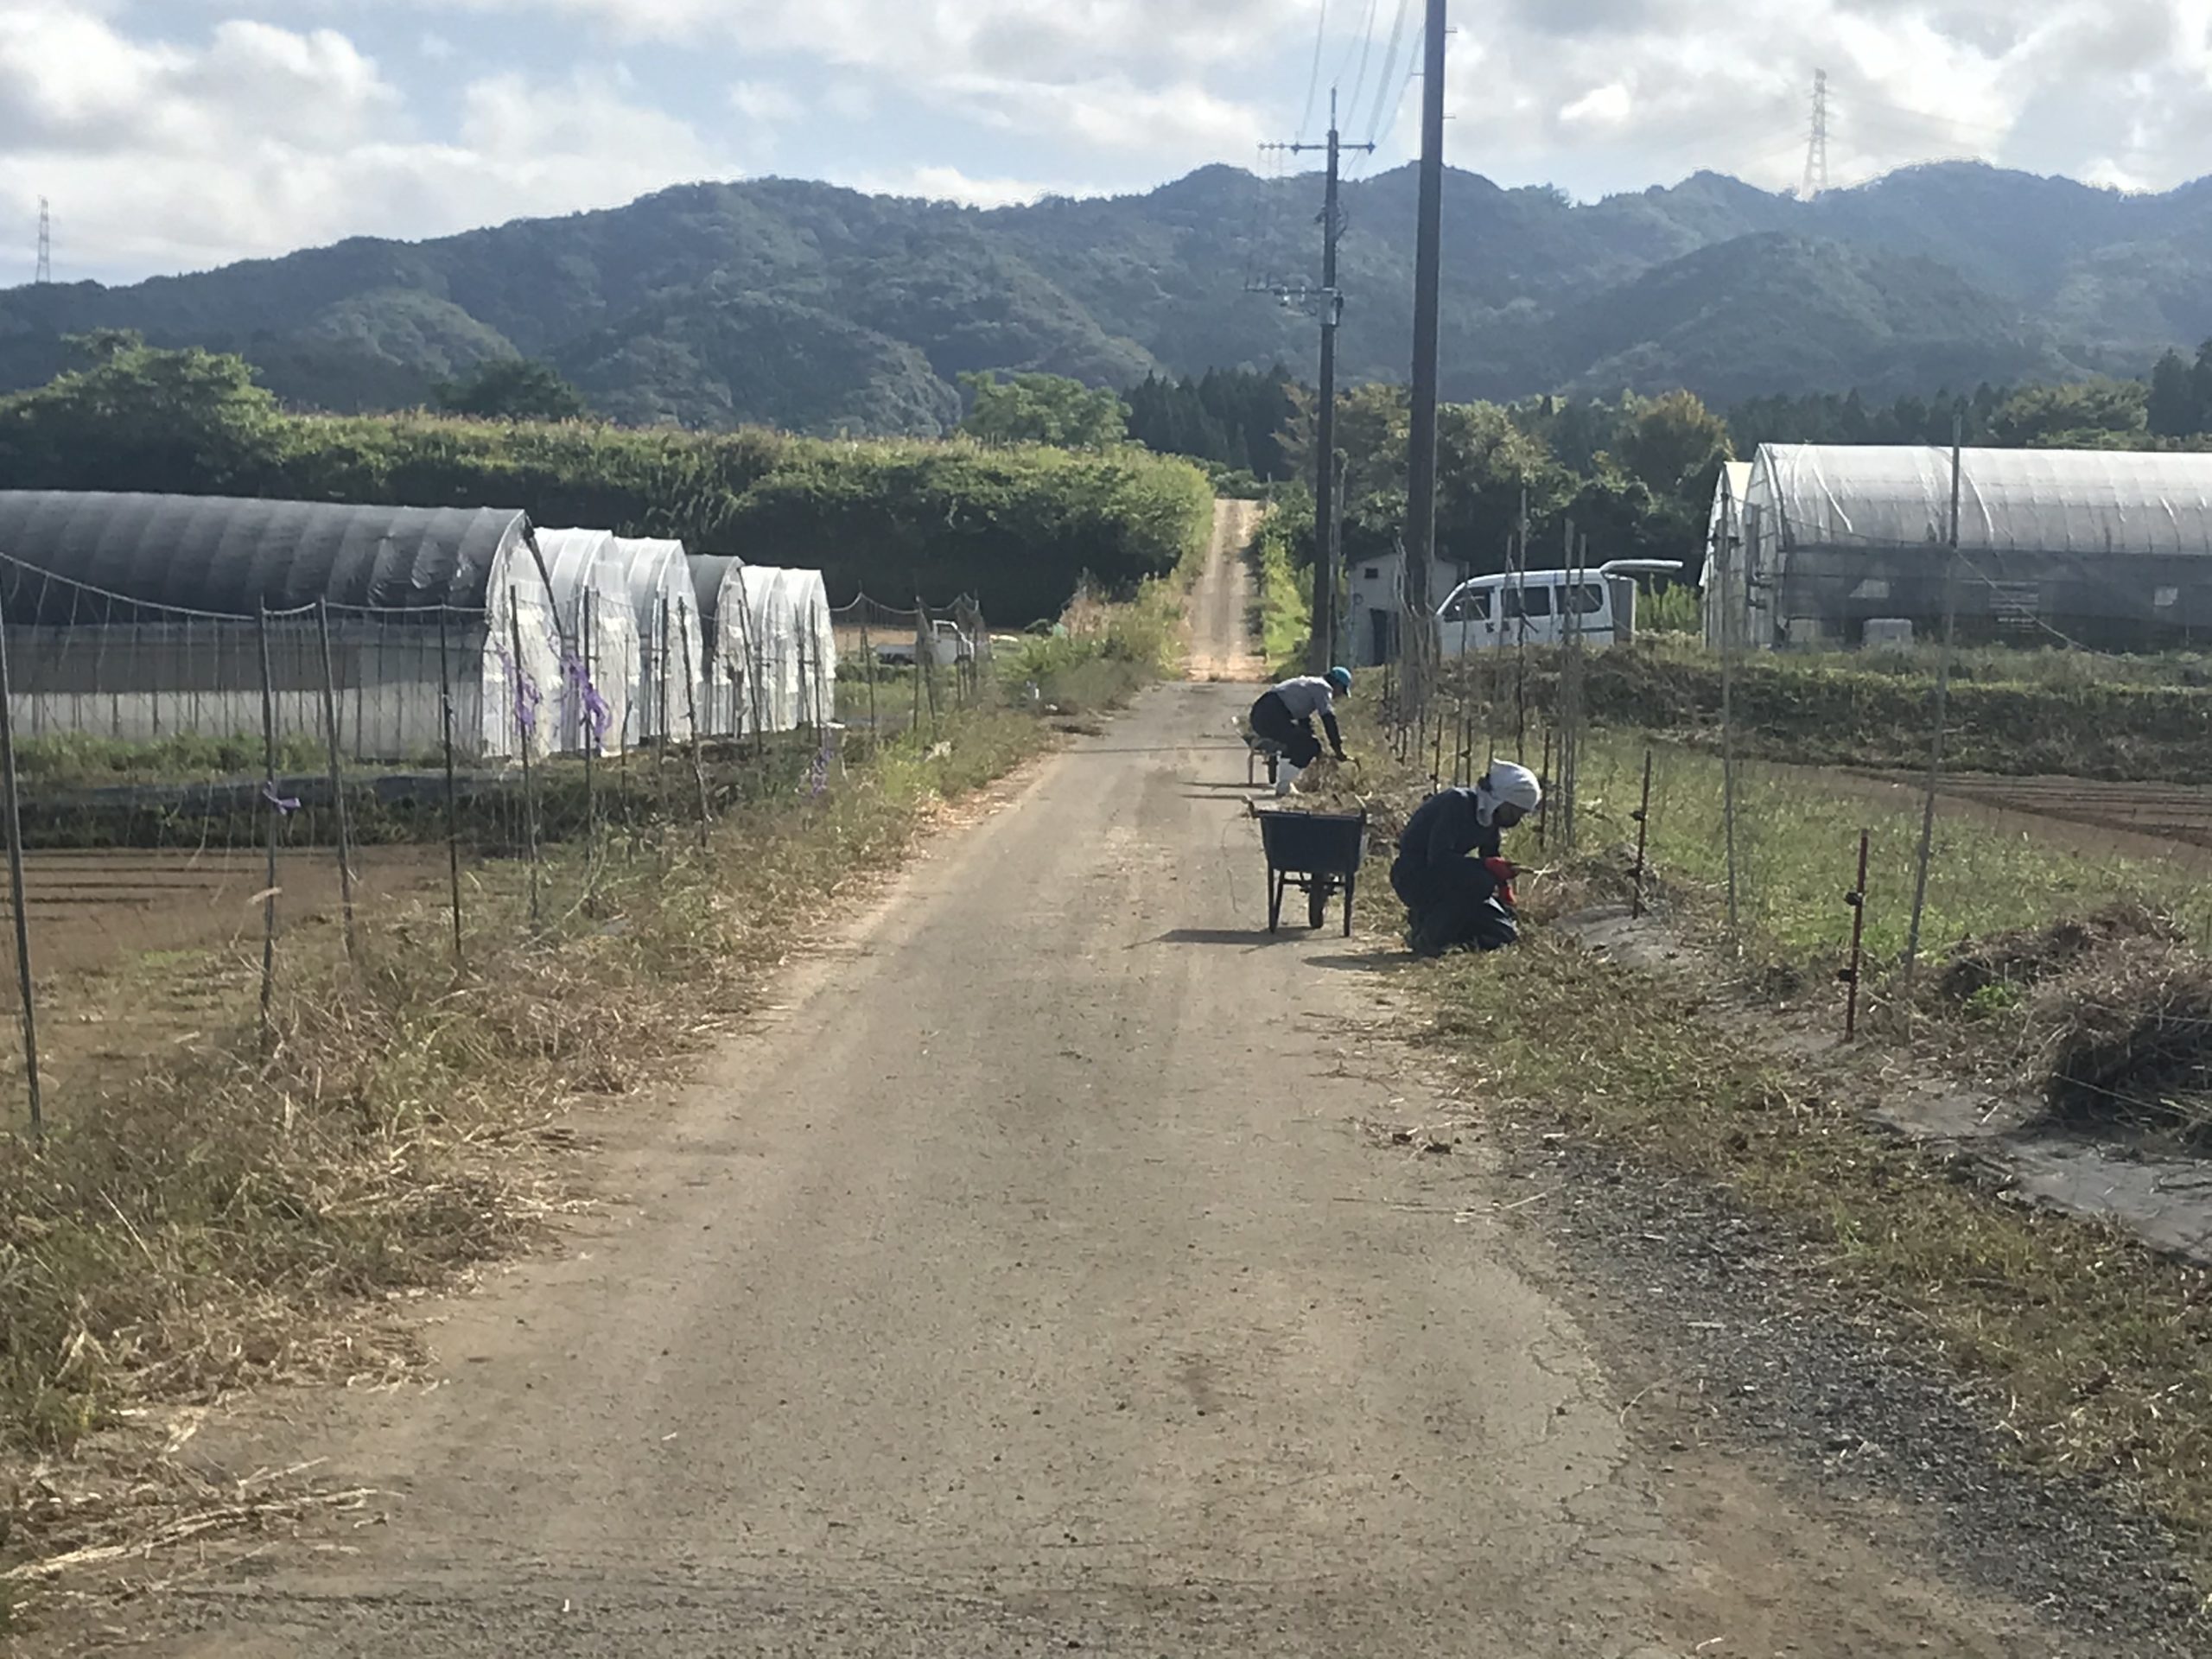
[(591, 595), (136, 617), (2107, 549), (666, 607), (774, 655)]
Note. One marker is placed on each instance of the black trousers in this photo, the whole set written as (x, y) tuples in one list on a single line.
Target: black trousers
[(1273, 720), (1451, 906)]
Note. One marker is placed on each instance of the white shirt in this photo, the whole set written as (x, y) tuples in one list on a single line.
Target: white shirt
[(1306, 697)]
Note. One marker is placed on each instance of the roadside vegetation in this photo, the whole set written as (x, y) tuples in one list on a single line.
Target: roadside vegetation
[(2022, 712), (1286, 595), (2067, 974)]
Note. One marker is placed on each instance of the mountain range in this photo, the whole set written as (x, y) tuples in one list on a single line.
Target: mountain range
[(822, 309)]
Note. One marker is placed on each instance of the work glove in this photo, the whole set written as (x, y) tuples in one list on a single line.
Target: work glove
[(1503, 872)]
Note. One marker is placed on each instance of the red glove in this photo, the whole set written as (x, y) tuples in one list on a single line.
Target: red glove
[(1503, 873)]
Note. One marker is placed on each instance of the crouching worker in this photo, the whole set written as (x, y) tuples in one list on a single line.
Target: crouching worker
[(1284, 715), (1450, 872)]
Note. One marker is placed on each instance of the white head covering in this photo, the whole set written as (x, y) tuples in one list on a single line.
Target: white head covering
[(1508, 785)]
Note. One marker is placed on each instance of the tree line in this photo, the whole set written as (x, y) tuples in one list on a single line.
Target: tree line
[(1018, 527)]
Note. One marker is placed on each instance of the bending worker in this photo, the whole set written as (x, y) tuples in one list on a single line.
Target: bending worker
[(1449, 866), (1284, 715)]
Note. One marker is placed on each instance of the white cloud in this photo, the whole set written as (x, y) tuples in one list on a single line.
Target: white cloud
[(950, 184), (279, 126), (263, 139), (1603, 94), (766, 103)]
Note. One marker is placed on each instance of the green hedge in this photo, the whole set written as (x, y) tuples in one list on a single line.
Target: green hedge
[(1018, 526)]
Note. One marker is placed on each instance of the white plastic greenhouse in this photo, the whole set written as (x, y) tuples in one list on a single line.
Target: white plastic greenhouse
[(774, 662), (666, 607), (591, 595), (2107, 548), (136, 617)]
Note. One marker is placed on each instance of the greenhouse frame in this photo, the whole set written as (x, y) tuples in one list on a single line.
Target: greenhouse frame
[(2107, 550), (136, 616)]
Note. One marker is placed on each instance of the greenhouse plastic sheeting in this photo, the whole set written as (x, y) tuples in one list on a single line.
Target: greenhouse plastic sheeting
[(793, 645), (229, 556), (666, 605), (591, 593), (2032, 500), (2108, 550)]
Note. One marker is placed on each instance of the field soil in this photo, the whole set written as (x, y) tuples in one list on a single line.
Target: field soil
[(1063, 1264)]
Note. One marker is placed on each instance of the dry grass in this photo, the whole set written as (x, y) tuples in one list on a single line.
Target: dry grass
[(2086, 1348), (2126, 1039), (226, 1217)]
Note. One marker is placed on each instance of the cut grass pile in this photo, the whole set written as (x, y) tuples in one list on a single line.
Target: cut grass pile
[(218, 1219)]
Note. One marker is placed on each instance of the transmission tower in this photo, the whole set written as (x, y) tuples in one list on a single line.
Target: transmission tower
[(45, 243), (1816, 147)]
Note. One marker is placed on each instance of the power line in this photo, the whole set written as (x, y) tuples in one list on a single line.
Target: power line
[(1313, 80), (1390, 56), (1366, 52)]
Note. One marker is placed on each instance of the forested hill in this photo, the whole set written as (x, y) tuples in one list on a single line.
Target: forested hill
[(821, 309)]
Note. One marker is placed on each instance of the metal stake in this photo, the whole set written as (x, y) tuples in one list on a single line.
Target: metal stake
[(1642, 832), (1857, 899), (14, 807), (337, 777)]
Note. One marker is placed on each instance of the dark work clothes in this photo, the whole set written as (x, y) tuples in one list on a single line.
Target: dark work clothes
[(1439, 876), (1447, 826), (1272, 719)]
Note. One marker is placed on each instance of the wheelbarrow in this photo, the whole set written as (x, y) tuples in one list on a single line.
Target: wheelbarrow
[(1258, 749), (1317, 853)]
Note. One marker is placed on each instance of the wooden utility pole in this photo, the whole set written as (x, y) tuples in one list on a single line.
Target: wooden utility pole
[(1421, 461), (1327, 569)]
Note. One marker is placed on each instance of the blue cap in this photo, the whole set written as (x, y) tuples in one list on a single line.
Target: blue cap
[(1340, 679)]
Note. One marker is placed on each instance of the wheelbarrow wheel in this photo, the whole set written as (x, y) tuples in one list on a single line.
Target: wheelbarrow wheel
[(1317, 901)]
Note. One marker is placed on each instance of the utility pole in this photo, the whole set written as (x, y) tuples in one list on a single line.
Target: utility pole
[(45, 273), (1421, 461), (1816, 147), (1327, 574)]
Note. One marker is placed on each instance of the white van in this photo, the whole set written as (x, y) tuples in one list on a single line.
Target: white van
[(1541, 606)]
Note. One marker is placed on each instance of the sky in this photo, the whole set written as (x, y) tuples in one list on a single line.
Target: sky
[(176, 135)]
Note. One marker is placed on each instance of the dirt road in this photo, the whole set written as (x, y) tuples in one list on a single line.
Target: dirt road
[(1042, 1277), (1221, 645)]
